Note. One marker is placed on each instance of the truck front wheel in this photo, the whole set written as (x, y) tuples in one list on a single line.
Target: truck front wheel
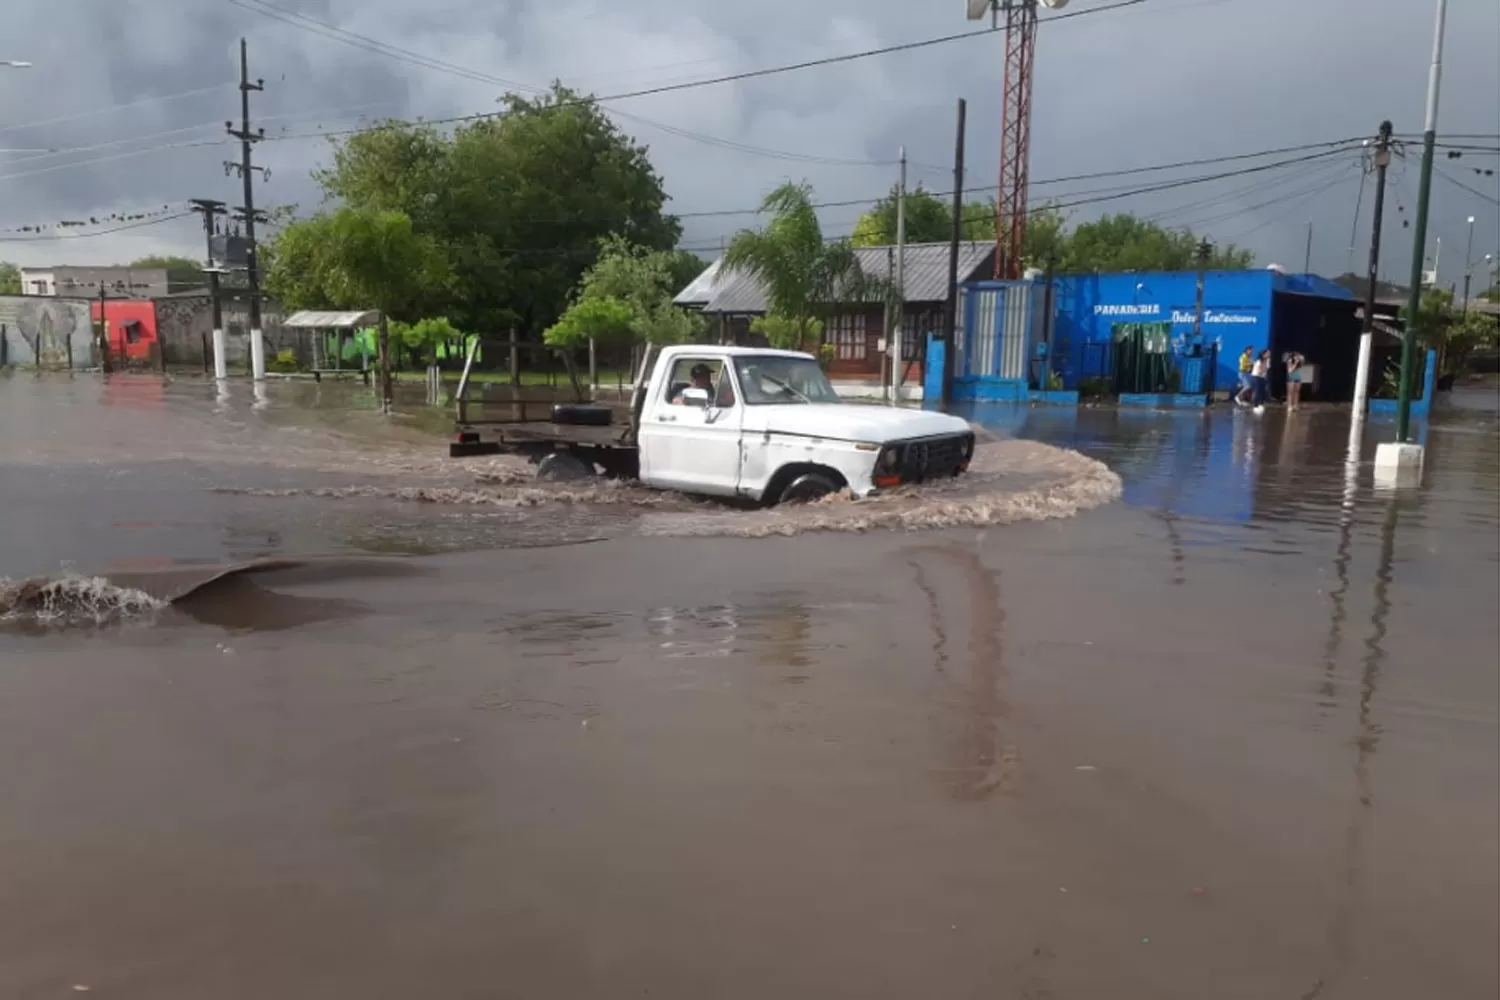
[(807, 487)]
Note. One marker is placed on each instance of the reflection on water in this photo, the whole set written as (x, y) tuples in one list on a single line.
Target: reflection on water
[(1273, 484)]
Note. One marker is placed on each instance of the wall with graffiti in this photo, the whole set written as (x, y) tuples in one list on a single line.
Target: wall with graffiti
[(46, 332)]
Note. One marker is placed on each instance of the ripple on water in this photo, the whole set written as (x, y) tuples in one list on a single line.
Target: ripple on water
[(1007, 481)]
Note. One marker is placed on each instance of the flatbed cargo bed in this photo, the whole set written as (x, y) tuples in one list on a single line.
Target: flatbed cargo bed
[(536, 436)]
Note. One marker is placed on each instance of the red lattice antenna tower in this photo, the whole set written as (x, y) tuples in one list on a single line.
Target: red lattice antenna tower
[(1015, 124), (1015, 135)]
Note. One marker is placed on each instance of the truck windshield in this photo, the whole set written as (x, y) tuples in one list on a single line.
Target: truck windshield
[(769, 380)]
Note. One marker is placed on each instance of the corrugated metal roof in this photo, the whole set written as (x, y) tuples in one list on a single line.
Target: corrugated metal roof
[(313, 319), (701, 289), (926, 276)]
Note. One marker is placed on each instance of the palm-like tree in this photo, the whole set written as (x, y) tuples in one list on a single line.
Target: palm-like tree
[(804, 276)]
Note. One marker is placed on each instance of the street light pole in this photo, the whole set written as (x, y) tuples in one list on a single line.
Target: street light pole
[(1468, 265), (1424, 198), (1401, 461)]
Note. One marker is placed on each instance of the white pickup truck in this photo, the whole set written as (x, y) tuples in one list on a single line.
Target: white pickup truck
[(764, 425)]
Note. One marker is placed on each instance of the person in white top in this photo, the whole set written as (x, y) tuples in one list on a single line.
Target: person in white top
[(1260, 377)]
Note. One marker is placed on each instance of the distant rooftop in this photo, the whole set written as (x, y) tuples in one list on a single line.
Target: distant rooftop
[(926, 278)]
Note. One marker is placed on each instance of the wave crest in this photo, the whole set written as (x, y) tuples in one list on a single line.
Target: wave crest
[(72, 598)]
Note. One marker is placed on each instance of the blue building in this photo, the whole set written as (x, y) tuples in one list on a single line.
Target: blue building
[(1020, 338), (1262, 310)]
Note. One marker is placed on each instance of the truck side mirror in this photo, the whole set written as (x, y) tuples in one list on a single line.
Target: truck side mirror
[(693, 396)]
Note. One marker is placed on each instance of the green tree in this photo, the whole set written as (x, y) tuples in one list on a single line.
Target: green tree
[(183, 273), (605, 320), (518, 203), (10, 278), (929, 219), (626, 297), (426, 336), (1453, 333), (1125, 243), (804, 276), (357, 259)]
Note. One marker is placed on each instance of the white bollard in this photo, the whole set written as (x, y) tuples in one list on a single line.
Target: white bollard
[(1398, 464), (221, 361), (257, 356)]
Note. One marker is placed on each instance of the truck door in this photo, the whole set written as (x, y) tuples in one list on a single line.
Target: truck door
[(685, 445)]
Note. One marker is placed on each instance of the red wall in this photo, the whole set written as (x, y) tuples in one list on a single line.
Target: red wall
[(120, 312)]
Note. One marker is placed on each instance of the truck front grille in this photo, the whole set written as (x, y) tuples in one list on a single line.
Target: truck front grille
[(931, 458)]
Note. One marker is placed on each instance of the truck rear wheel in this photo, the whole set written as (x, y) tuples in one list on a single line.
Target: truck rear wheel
[(807, 487), (561, 467)]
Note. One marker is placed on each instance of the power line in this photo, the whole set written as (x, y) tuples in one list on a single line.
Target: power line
[(117, 156), (737, 77), (1109, 195), (101, 232), (331, 31), (1330, 149), (117, 107), (45, 154), (1492, 199)]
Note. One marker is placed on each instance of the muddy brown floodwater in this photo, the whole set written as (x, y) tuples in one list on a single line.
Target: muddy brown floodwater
[(1233, 734)]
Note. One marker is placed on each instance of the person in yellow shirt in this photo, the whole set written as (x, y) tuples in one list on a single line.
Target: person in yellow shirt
[(1247, 362)]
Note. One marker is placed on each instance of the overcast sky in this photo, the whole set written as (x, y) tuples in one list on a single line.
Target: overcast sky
[(129, 86)]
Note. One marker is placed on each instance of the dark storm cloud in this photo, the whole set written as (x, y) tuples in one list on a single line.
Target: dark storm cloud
[(1170, 79)]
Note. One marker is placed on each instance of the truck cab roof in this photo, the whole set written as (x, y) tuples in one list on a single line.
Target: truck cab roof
[(733, 352)]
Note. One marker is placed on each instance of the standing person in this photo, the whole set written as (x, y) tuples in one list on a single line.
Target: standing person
[(1247, 361), (1294, 363), (1260, 378)]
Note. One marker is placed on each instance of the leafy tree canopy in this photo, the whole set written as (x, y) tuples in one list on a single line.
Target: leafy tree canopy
[(1111, 243), (929, 219), (518, 203), (626, 297), (357, 259), (10, 278)]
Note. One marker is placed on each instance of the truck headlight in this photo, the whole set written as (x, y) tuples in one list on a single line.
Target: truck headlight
[(889, 460)]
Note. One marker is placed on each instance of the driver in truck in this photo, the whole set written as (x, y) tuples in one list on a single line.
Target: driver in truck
[(702, 378)]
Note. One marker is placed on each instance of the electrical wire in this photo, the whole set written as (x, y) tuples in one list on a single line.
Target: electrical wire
[(753, 74), (326, 30), (43, 154), (101, 232), (118, 107), (1492, 199)]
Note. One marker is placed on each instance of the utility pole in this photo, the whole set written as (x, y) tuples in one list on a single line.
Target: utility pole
[(1372, 277), (898, 312), (104, 362), (246, 171), (950, 317), (210, 211), (1402, 460), (1307, 257), (1204, 252)]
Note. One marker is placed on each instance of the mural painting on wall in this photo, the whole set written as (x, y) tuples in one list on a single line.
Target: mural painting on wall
[(49, 327)]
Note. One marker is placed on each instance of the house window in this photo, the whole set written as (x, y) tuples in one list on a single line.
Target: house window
[(848, 336)]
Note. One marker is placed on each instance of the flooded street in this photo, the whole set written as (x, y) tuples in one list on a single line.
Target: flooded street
[(1234, 734)]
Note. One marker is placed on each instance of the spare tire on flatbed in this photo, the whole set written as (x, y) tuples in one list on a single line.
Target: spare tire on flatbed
[(582, 414)]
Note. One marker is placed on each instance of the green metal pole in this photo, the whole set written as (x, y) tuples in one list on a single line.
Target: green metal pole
[(1424, 194)]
